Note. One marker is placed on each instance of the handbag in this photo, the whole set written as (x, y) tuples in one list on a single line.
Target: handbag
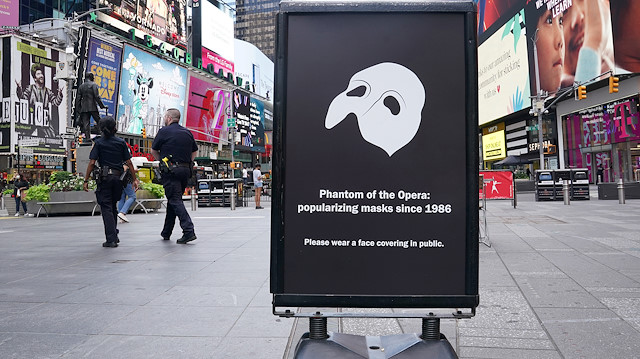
[(23, 195)]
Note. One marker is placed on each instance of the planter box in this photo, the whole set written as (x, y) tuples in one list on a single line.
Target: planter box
[(144, 194), (10, 205), (72, 207)]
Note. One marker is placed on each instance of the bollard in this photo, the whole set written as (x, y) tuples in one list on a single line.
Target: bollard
[(232, 197), (565, 192), (620, 191), (194, 199)]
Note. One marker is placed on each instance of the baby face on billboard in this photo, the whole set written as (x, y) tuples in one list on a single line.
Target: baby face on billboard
[(550, 50)]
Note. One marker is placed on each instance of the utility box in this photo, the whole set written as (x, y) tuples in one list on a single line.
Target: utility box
[(544, 185), (580, 184)]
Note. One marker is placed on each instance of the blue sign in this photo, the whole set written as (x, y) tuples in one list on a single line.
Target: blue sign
[(104, 62)]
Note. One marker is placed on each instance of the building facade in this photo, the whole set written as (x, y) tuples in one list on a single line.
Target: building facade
[(256, 24)]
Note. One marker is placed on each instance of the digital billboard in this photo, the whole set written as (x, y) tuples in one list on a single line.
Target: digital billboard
[(209, 107), (31, 97), (104, 62), (493, 143), (373, 107), (257, 125), (567, 52), (242, 113), (255, 67), (165, 20), (9, 13), (490, 11), (503, 71), (217, 29), (148, 87), (218, 62)]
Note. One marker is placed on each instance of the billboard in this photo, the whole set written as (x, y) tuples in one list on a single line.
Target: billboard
[(209, 107), (148, 87), (10, 13), (165, 20), (104, 62), (567, 52), (31, 97), (217, 29), (373, 106), (257, 125), (493, 143), (255, 67), (242, 113), (218, 62), (503, 71)]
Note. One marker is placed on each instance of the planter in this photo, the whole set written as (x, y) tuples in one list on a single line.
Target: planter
[(10, 205), (144, 194), (71, 196)]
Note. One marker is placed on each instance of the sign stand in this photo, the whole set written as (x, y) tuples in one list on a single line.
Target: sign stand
[(318, 343)]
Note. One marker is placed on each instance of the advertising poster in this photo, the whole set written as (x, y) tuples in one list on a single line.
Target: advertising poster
[(375, 159), (217, 29), (210, 57), (148, 87), (5, 90), (104, 62), (9, 12), (503, 71), (490, 11), (499, 184), (165, 20), (493, 142), (257, 125), (242, 114), (567, 52), (209, 107), (35, 101)]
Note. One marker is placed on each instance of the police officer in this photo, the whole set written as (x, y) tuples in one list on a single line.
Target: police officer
[(176, 149), (111, 152)]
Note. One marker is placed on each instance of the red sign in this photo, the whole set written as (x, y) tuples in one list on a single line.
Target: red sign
[(135, 152), (498, 184)]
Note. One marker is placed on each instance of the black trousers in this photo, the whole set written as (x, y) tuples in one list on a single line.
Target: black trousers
[(108, 194), (85, 122), (174, 184)]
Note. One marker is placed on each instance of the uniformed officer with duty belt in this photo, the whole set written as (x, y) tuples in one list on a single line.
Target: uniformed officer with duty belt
[(111, 152), (175, 148)]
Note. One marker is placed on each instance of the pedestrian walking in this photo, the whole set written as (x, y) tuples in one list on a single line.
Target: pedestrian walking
[(87, 102), (20, 187), (257, 184), (111, 152), (128, 196), (245, 176), (175, 148)]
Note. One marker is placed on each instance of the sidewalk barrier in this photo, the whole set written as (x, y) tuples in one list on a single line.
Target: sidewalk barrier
[(621, 191), (565, 192), (194, 199)]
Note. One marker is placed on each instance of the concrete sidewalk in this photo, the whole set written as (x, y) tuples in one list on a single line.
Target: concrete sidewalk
[(558, 282)]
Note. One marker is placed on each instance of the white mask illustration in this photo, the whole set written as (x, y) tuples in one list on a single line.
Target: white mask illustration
[(387, 99)]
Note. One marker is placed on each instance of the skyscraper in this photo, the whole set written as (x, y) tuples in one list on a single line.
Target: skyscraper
[(256, 24)]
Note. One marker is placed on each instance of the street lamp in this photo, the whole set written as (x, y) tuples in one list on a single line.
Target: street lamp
[(538, 101)]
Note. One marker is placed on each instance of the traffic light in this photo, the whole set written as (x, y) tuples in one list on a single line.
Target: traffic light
[(144, 132), (613, 84), (582, 92), (80, 140)]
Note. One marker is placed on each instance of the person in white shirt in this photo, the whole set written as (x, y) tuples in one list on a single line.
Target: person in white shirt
[(257, 184), (245, 175)]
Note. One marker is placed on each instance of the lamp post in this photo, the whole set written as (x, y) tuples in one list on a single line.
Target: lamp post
[(538, 104)]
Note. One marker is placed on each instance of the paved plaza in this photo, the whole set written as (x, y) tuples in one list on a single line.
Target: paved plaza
[(557, 282)]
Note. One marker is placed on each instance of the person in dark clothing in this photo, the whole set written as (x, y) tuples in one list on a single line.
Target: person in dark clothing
[(175, 148), (87, 102), (19, 185), (111, 153)]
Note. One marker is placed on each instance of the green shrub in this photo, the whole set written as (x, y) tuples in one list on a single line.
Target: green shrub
[(7, 191), (70, 183), (38, 193), (155, 189), (60, 176)]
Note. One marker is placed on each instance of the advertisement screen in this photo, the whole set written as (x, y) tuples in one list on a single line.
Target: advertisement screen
[(38, 105), (210, 57), (209, 107), (490, 11), (498, 184), (503, 71), (165, 20), (255, 67), (567, 52), (9, 12), (148, 87), (350, 201), (104, 62), (242, 114), (494, 146), (257, 125), (217, 30)]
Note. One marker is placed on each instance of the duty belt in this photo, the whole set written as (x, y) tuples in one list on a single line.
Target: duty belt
[(113, 171), (183, 164)]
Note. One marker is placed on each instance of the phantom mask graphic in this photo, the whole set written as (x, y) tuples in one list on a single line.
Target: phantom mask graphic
[(387, 99)]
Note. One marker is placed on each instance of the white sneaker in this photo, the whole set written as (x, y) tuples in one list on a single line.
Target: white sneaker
[(28, 214), (17, 214), (123, 217)]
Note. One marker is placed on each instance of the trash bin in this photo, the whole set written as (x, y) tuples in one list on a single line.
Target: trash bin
[(558, 177), (580, 183), (544, 185)]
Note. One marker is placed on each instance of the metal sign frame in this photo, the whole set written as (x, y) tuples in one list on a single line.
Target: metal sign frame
[(470, 297)]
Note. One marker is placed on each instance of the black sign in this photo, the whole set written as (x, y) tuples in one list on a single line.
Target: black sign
[(375, 164)]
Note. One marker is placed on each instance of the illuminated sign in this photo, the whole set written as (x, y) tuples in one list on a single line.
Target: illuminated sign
[(493, 143)]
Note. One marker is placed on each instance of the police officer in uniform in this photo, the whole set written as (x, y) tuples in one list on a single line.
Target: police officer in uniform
[(176, 149), (111, 153)]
